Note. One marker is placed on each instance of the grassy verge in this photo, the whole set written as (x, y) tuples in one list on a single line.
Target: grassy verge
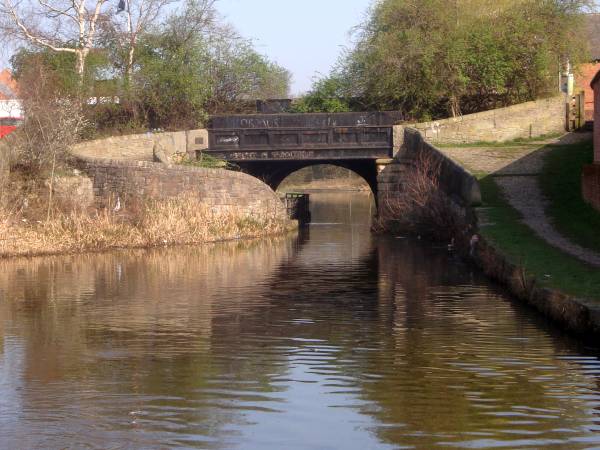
[(156, 223), (561, 184), (520, 142), (522, 246)]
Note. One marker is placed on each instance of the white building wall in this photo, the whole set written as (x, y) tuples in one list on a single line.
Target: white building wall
[(11, 108)]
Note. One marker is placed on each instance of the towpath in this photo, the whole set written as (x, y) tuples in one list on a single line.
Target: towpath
[(516, 169)]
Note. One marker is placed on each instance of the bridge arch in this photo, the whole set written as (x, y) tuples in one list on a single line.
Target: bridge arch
[(273, 173), (324, 177)]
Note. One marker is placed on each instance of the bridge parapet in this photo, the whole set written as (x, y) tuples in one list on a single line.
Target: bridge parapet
[(365, 142), (309, 120), (302, 136)]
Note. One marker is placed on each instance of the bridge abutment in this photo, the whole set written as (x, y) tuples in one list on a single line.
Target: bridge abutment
[(417, 170)]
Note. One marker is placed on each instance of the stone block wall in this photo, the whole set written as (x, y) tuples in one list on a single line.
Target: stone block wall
[(525, 120), (138, 147), (217, 188), (459, 185)]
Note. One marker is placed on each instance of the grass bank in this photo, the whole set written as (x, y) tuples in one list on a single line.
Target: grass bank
[(560, 180), (177, 221)]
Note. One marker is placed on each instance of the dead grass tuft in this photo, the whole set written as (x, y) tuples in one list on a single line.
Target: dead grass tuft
[(155, 223)]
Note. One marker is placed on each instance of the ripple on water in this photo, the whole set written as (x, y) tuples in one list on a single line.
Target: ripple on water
[(330, 339)]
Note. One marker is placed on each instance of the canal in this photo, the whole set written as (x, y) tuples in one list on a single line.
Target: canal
[(330, 339)]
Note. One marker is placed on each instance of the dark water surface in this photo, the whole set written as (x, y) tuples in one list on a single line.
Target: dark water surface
[(334, 339)]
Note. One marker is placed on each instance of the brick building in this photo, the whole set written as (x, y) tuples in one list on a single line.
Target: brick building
[(591, 173), (586, 72)]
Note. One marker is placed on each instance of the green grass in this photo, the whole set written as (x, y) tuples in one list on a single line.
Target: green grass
[(561, 184), (551, 267), (209, 162)]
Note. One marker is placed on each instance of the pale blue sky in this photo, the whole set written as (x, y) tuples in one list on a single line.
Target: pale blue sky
[(304, 36)]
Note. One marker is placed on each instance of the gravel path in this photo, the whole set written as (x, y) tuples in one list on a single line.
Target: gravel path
[(525, 195), (512, 159), (515, 169)]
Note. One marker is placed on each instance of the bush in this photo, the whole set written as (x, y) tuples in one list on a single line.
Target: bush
[(420, 207)]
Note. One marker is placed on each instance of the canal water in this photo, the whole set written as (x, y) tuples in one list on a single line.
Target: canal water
[(330, 339)]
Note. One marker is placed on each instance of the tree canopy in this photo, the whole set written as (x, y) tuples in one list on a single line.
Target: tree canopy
[(433, 58), (168, 70)]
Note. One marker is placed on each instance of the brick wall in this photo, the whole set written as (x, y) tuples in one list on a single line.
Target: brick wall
[(525, 120), (135, 180), (590, 179), (583, 79), (591, 185)]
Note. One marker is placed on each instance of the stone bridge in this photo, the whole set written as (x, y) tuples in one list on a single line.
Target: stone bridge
[(273, 146)]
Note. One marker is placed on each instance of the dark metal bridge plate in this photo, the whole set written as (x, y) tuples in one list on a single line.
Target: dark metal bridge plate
[(273, 137), (310, 120)]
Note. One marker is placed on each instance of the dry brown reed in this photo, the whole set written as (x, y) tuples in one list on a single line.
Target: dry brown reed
[(183, 220)]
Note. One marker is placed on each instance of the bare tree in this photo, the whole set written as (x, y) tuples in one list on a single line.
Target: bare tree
[(418, 204), (53, 122), (68, 26)]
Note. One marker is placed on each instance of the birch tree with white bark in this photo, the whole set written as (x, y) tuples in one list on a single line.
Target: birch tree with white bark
[(67, 26)]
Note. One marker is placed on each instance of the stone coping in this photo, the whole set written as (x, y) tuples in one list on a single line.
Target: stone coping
[(578, 316)]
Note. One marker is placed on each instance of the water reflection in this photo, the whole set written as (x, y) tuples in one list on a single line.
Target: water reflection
[(333, 338)]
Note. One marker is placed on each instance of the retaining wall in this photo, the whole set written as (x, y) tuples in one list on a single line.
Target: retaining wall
[(133, 181), (462, 190), (138, 147), (459, 185), (576, 315), (526, 120)]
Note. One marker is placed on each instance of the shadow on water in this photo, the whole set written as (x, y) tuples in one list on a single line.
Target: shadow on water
[(333, 338)]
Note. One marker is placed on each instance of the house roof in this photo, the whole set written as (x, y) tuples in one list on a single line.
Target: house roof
[(593, 28)]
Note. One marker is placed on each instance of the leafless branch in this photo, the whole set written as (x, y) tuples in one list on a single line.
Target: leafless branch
[(52, 24)]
